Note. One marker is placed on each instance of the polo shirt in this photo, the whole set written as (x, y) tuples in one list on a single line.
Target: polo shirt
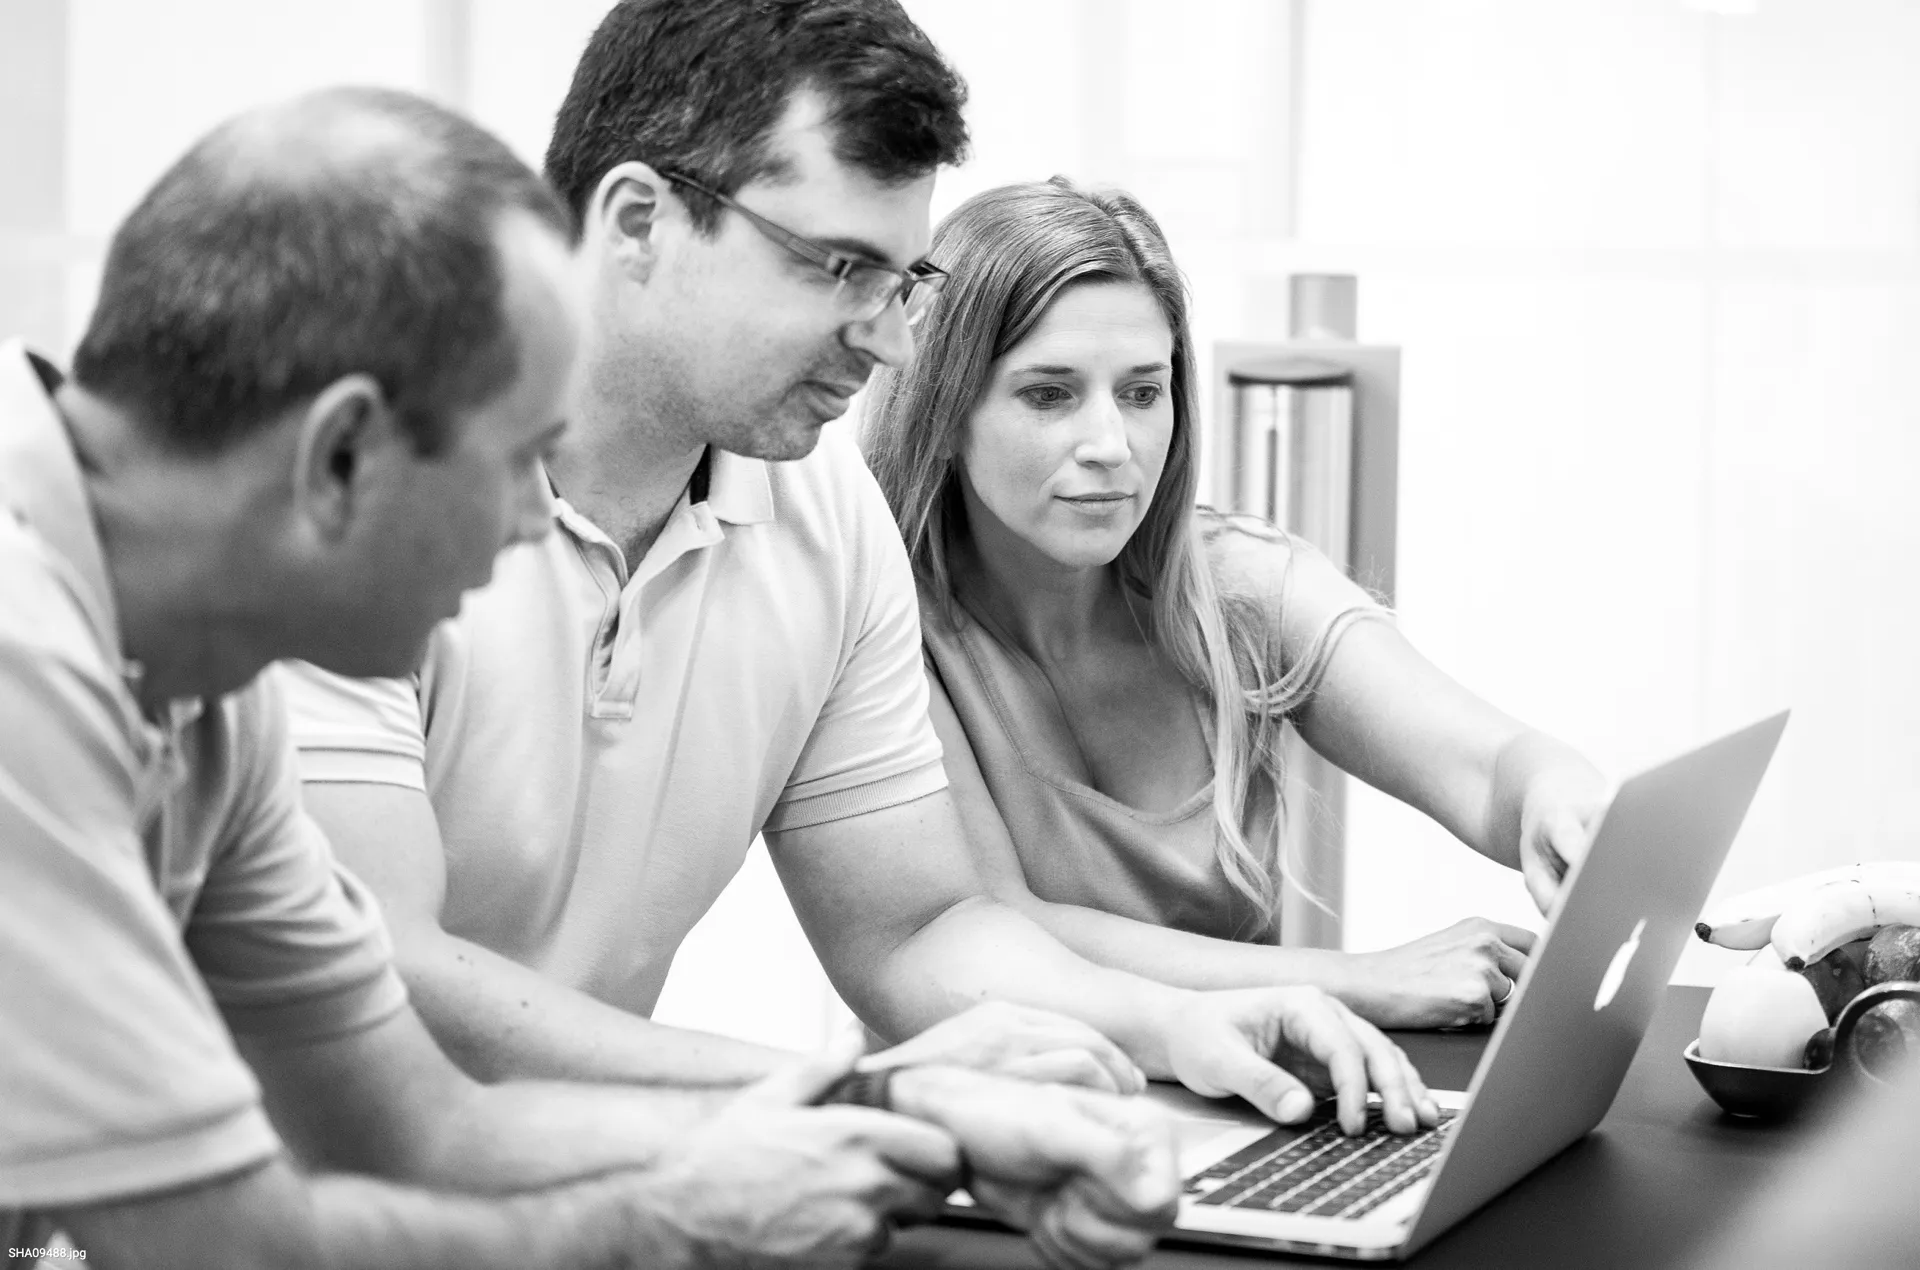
[(160, 889), (600, 750)]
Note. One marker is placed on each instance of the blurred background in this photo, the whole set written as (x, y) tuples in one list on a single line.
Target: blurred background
[(1654, 267)]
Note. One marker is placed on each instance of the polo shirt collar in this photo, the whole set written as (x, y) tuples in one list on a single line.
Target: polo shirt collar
[(741, 492), (40, 480)]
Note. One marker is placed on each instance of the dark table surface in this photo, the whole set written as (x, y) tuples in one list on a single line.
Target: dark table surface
[(1659, 1176)]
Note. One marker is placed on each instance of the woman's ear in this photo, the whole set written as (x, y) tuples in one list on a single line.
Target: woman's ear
[(624, 217), (343, 427)]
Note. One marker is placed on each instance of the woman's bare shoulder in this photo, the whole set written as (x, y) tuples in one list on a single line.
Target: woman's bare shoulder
[(1249, 557), (1254, 562)]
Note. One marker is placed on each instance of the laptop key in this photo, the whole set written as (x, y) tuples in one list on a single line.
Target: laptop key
[(1322, 1172)]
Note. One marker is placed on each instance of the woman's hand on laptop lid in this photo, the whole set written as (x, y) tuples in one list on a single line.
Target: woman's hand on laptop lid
[(1284, 1048), (1561, 798)]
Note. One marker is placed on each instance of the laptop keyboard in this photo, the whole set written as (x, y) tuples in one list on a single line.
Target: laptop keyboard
[(1323, 1173)]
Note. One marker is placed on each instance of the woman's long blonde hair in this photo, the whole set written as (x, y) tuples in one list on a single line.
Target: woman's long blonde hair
[(1011, 251)]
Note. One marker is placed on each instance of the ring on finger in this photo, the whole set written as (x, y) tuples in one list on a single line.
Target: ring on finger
[(1504, 997)]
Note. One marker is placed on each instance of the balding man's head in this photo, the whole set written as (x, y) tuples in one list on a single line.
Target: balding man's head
[(348, 231)]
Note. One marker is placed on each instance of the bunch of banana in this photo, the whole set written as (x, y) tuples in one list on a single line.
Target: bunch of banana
[(1806, 918)]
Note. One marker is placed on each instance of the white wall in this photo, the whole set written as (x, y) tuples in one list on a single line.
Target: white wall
[(1658, 278), (1656, 274)]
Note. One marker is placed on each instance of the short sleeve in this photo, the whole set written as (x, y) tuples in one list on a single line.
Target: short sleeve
[(873, 745), (1280, 582), (119, 1077), (291, 945), (354, 730)]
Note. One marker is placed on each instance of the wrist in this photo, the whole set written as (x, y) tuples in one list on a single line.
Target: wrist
[(1348, 976), (1163, 1022), (861, 1087), (928, 1093)]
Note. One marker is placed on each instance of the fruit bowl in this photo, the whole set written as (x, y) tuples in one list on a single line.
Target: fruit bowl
[(1762, 1093), (1743, 1089)]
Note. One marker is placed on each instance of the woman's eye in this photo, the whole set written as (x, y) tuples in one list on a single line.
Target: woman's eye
[(1044, 395), (1144, 394)]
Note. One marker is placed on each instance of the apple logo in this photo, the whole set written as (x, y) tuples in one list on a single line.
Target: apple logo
[(1617, 968)]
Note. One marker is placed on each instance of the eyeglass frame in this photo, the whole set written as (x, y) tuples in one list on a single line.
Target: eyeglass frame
[(838, 265)]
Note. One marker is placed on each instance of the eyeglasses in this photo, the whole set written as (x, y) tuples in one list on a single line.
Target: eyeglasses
[(863, 288)]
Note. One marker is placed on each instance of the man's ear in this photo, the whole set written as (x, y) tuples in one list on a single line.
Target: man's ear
[(344, 428), (625, 214)]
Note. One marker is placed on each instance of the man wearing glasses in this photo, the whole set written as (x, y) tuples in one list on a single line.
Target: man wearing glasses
[(722, 639)]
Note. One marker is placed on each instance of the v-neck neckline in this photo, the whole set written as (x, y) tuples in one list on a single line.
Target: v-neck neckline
[(974, 626)]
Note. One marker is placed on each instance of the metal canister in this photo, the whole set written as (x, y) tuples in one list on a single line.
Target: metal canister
[(1290, 459)]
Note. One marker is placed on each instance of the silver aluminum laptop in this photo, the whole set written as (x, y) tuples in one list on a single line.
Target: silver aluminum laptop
[(1551, 1068)]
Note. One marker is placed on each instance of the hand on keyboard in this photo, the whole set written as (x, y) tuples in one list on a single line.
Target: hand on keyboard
[(1280, 1047)]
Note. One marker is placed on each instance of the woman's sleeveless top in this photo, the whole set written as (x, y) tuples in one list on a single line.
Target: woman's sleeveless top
[(1076, 844)]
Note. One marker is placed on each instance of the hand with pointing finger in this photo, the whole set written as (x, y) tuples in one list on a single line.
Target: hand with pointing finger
[(1558, 813)]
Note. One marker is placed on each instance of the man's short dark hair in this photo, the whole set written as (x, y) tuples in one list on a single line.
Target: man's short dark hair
[(349, 231), (697, 87)]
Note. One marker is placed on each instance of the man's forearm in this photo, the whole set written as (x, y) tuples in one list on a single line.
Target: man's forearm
[(981, 949), (365, 1225), (499, 1020), (273, 1215), (520, 1135)]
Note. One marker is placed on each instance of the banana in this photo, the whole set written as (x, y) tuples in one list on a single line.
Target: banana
[(1745, 921), (1820, 920)]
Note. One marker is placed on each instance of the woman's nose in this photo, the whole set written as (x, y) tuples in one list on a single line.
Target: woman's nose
[(1104, 439)]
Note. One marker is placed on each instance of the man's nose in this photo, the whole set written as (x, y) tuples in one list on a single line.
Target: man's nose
[(885, 337)]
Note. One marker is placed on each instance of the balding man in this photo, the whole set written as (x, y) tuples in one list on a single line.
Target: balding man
[(329, 352)]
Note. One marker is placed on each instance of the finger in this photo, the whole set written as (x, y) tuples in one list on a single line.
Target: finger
[(1423, 1099), (1143, 1186), (1058, 1034), (1065, 1067), (906, 1201), (1542, 882), (1017, 1206), (1348, 1069), (1388, 1070), (1331, 1033), (1074, 1224), (803, 1080), (1120, 1073), (1277, 1092), (1569, 838), (1518, 938), (867, 1237), (909, 1146), (1497, 998), (1074, 1237)]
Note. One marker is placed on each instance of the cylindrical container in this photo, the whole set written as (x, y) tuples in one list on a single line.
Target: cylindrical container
[(1290, 455), (1291, 461)]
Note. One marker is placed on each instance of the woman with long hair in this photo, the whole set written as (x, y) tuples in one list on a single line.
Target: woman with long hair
[(1114, 670)]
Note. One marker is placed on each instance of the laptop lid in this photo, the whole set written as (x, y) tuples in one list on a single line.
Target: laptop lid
[(1589, 991)]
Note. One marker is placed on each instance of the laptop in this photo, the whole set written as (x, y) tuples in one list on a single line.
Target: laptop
[(1551, 1068)]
